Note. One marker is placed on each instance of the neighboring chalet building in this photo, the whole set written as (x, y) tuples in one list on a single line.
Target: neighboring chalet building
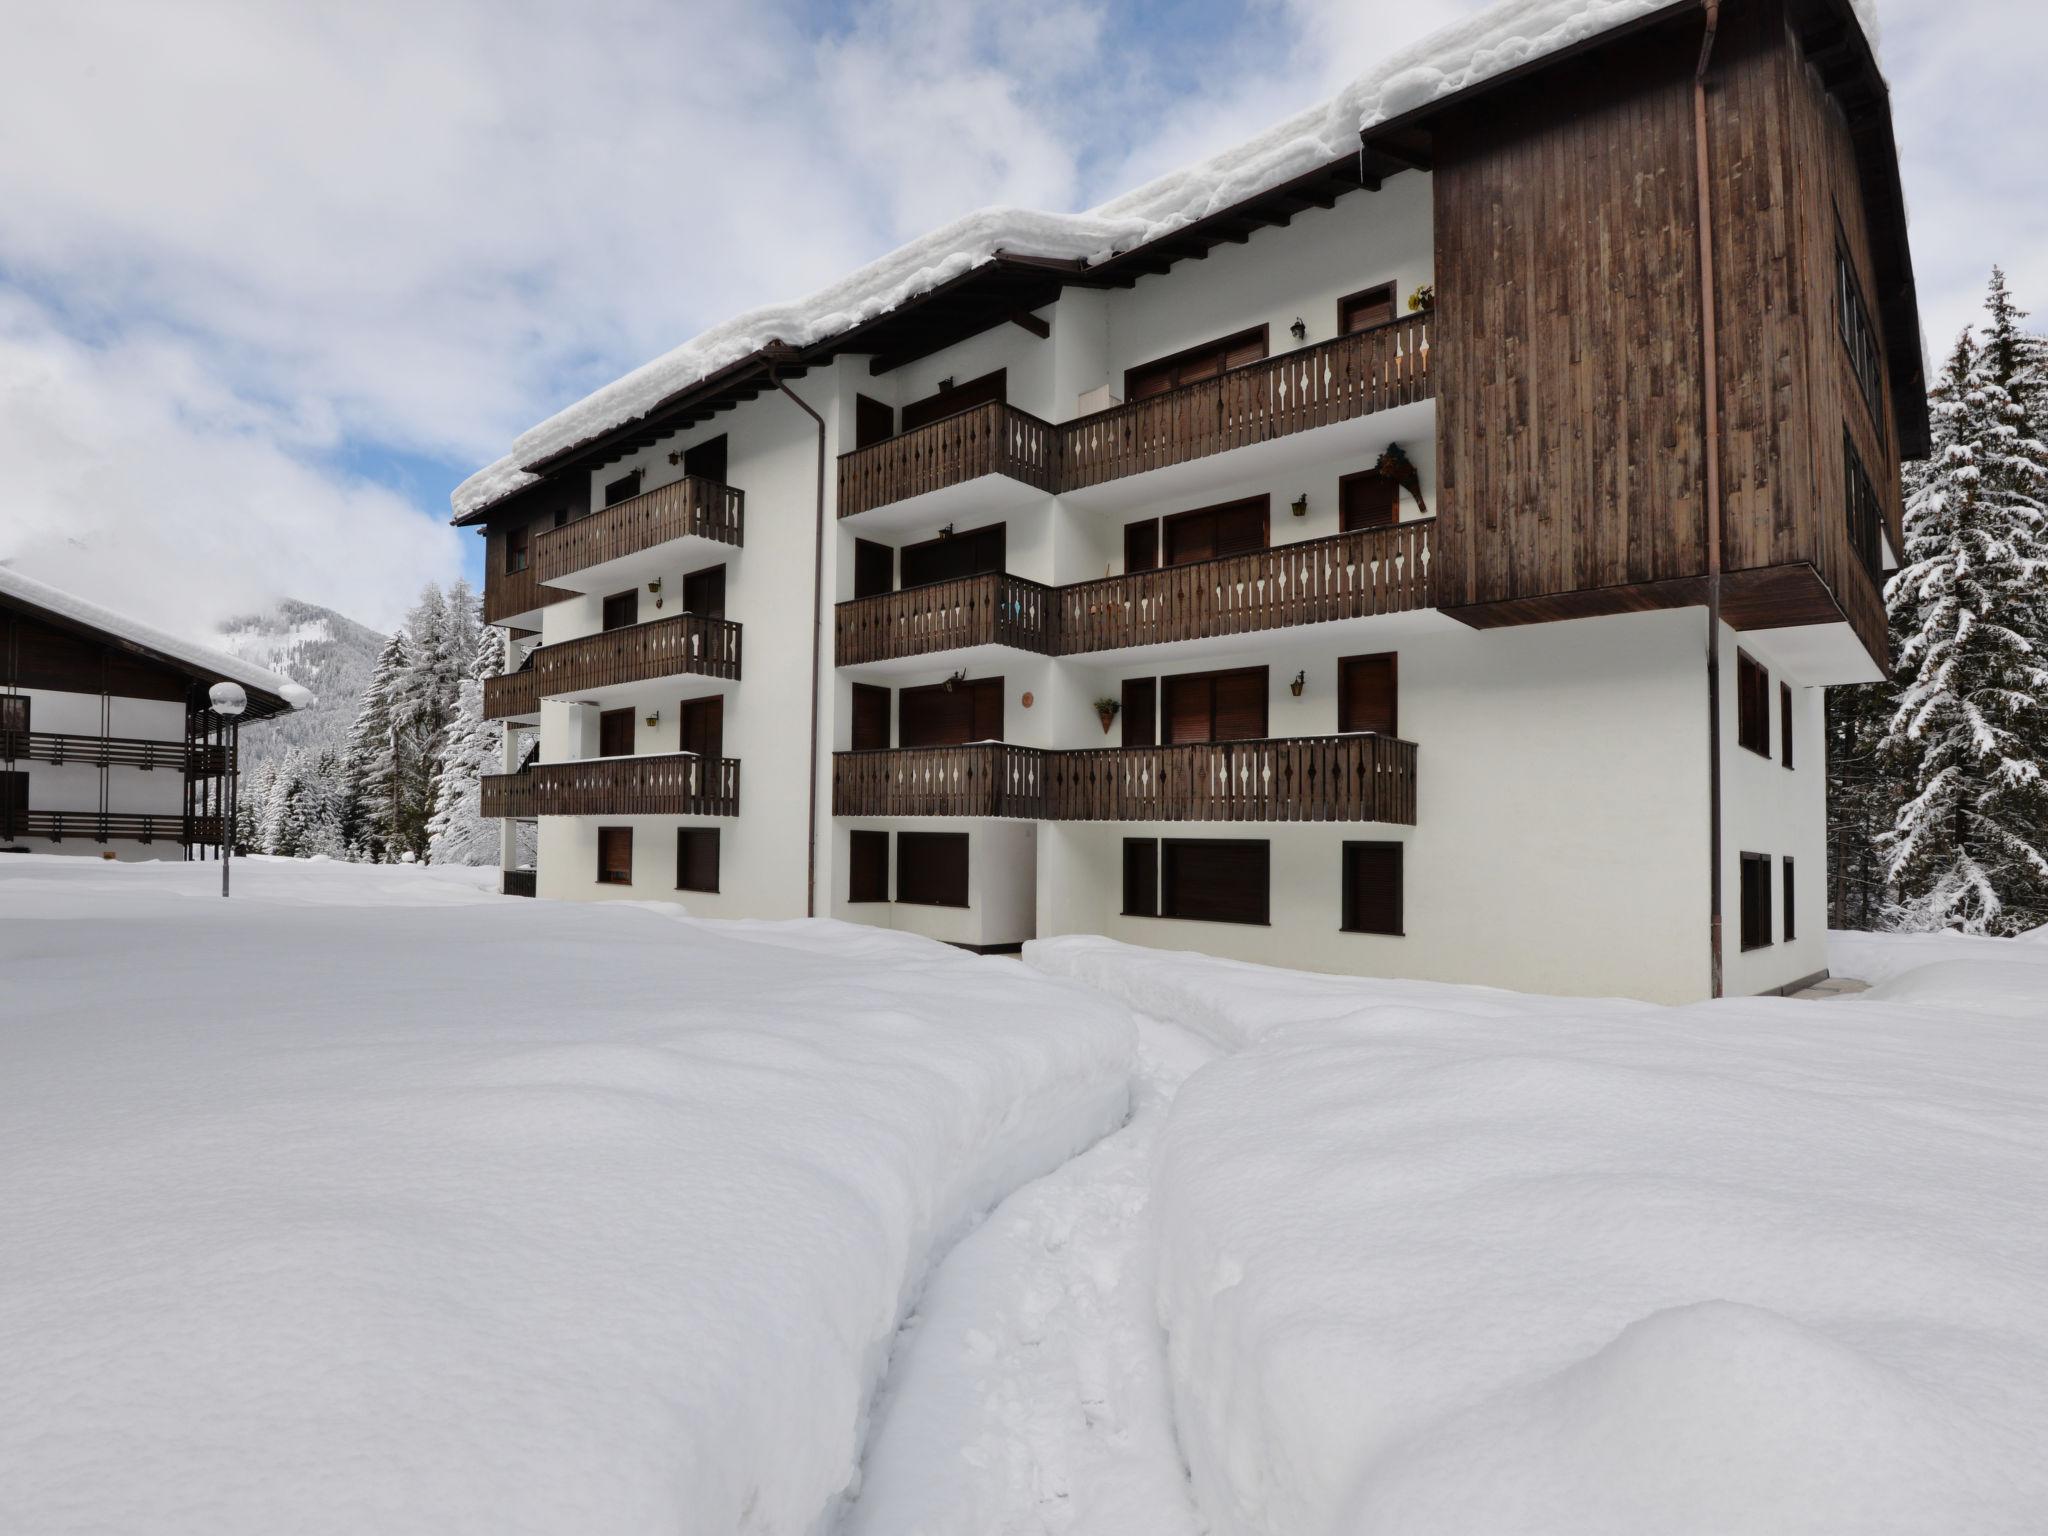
[(1379, 480), (107, 743)]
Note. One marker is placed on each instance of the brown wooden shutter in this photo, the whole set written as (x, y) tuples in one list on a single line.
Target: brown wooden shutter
[(1141, 545), (625, 488), (1368, 307), (1140, 712), (704, 592), (1195, 364), (697, 858), (873, 422), (615, 855), (1756, 900), (1791, 922), (1189, 712), (1372, 888), (1785, 724), (1216, 880), (615, 733), (1368, 696), (936, 716), (1207, 533), (961, 397), (870, 718), (867, 866), (1240, 705), (1752, 705), (947, 559), (931, 868), (622, 609), (874, 568), (703, 728), (1141, 877), (1368, 500), (707, 461)]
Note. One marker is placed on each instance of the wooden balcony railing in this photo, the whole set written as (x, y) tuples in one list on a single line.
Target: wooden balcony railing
[(985, 779), (112, 752), (1346, 576), (992, 609), (1312, 386), (1305, 778), (513, 592), (686, 644), (692, 507), (100, 826), (506, 794), (1300, 778), (992, 439)]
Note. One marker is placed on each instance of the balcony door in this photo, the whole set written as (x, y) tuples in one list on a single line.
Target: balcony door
[(1195, 364), (870, 718), (622, 609), (961, 397), (615, 733), (704, 592), (956, 555), (1208, 533), (707, 460), (939, 716), (1215, 706), (874, 568), (704, 727), (1368, 499), (1368, 694)]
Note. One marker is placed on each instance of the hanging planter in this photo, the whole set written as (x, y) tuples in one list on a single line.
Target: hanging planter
[(1106, 710)]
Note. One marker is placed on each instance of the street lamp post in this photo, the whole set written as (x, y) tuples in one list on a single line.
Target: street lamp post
[(228, 700)]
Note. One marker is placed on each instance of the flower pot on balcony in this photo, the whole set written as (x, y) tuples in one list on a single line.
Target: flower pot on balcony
[(1106, 711)]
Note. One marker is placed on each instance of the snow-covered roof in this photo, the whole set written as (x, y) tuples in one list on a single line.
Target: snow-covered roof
[(65, 605), (1506, 37)]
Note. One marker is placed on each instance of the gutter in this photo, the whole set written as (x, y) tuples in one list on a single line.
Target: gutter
[(1711, 363), (817, 646)]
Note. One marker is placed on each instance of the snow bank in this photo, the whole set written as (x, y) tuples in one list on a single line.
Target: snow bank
[(1878, 957), (1456, 58), (476, 1214), (1451, 1261), (55, 600)]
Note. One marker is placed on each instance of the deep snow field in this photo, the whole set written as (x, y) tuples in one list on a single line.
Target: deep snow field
[(373, 1201)]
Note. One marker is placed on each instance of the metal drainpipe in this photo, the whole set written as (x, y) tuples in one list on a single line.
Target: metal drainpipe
[(1711, 362), (817, 648)]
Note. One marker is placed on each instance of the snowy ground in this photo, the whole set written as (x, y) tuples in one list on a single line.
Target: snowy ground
[(372, 1200)]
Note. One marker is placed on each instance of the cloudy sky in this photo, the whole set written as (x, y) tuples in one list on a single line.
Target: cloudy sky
[(275, 276)]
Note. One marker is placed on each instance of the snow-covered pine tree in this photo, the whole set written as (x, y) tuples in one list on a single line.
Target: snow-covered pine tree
[(458, 833), (1966, 848), (373, 780), (287, 830)]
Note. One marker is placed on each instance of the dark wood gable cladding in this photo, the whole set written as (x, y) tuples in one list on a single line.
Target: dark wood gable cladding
[(39, 649)]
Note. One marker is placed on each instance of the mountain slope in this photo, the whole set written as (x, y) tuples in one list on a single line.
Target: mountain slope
[(326, 651)]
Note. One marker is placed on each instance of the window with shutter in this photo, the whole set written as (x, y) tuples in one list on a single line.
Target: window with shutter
[(697, 858), (622, 609), (1208, 533), (931, 869), (1752, 705), (1215, 706), (961, 397), (615, 733), (1785, 724), (615, 855), (1791, 922), (516, 545), (1195, 364), (938, 716), (704, 592), (1141, 877), (867, 866), (707, 461), (870, 718), (623, 489), (1756, 900), (1372, 888), (1368, 499), (1365, 309), (1213, 880), (1368, 694)]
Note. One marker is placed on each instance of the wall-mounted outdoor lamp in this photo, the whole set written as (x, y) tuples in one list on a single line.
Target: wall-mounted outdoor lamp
[(1299, 329), (654, 718), (654, 591), (1299, 506), (1300, 682)]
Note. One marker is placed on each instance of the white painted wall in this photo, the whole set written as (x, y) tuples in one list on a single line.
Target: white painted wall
[(76, 786)]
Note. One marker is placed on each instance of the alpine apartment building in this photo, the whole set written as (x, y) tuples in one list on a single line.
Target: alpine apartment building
[(108, 743), (1420, 557)]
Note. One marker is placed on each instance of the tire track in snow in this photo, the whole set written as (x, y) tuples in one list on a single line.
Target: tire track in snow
[(1028, 1391)]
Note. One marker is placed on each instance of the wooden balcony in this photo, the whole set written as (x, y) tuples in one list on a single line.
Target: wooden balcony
[(992, 439), (674, 784), (687, 644), (985, 779), (1306, 778), (692, 507), (101, 826), (200, 760), (992, 609), (1298, 391), (510, 593)]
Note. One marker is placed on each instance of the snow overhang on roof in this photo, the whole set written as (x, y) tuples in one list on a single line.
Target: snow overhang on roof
[(1022, 258), (269, 694)]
